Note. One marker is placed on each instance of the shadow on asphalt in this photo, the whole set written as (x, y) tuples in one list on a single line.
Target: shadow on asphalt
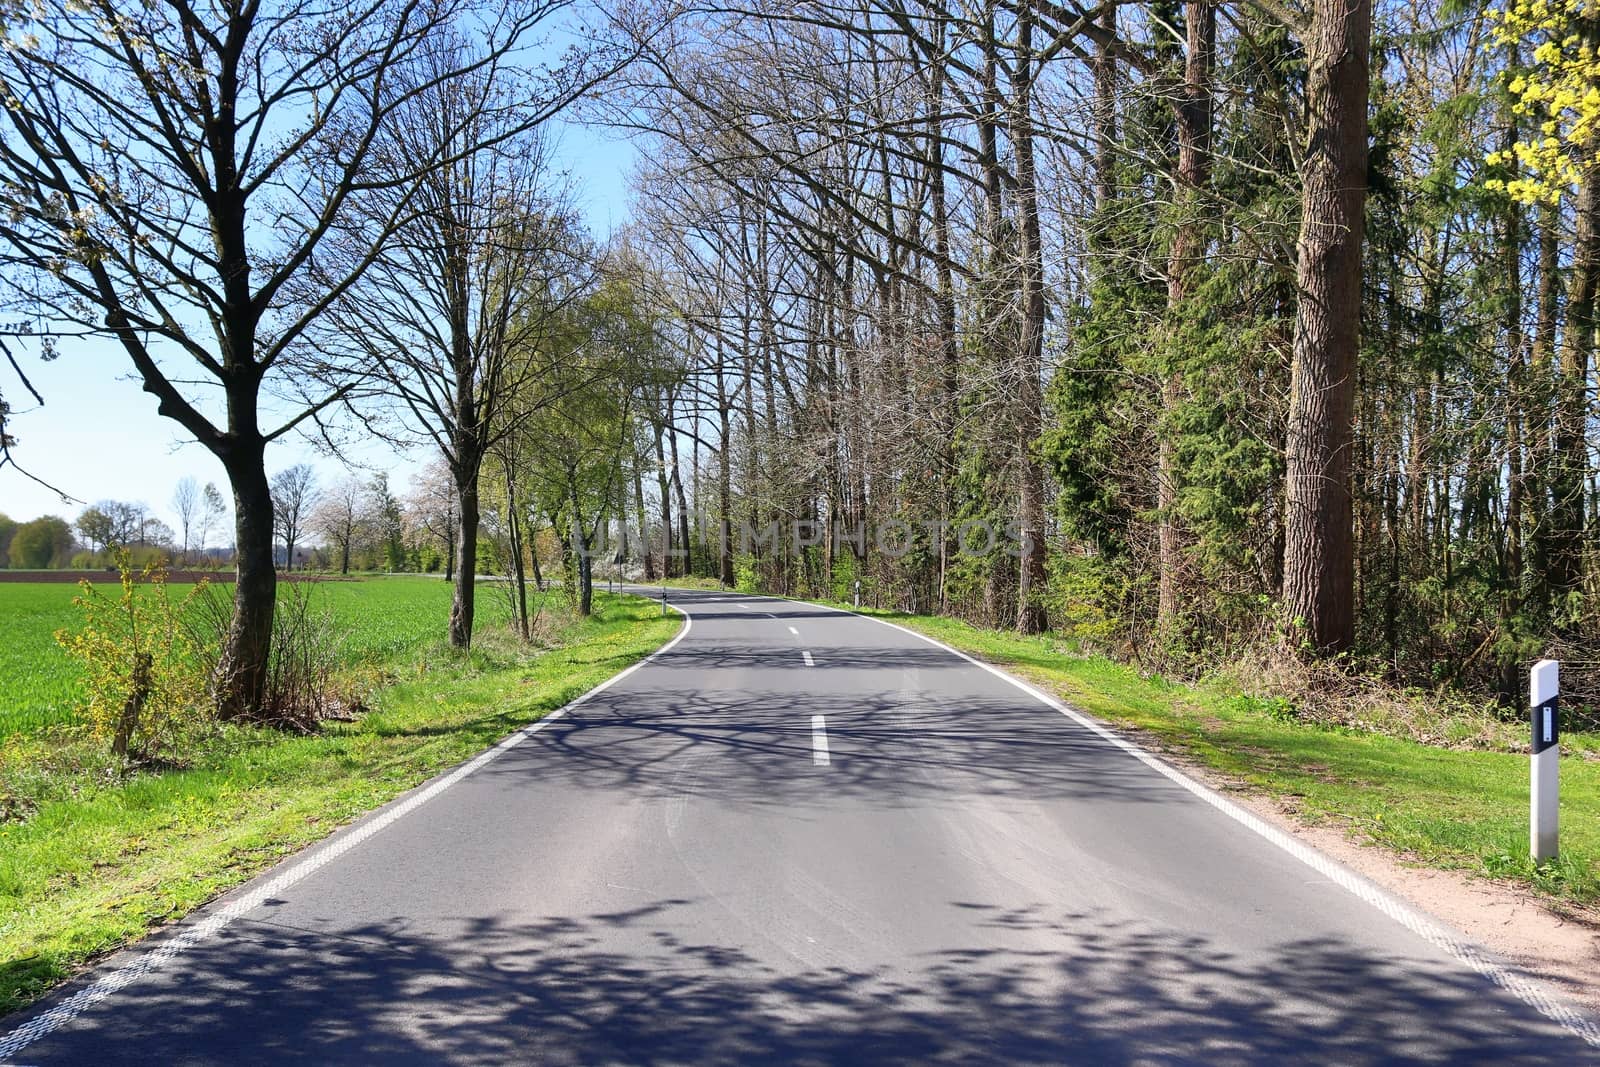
[(548, 993), (888, 751)]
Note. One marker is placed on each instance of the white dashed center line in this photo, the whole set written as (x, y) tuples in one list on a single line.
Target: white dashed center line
[(807, 656), (819, 740), (794, 631)]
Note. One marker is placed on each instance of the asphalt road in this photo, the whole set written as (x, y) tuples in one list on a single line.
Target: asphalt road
[(801, 836)]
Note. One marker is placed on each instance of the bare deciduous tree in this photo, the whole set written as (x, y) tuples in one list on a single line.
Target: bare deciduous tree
[(167, 171), (186, 502), (450, 316), (294, 497)]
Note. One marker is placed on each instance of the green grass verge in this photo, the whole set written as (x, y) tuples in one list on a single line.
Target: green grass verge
[(86, 876), (1464, 810)]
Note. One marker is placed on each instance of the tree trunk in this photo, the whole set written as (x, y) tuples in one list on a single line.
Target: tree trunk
[(1516, 463), (1319, 560), (1104, 113), (724, 477), (1031, 617), (465, 589), (242, 671), (450, 551), (519, 575), (644, 524), (1571, 474), (683, 513), (1188, 247), (663, 486), (1541, 364), (585, 564), (533, 550)]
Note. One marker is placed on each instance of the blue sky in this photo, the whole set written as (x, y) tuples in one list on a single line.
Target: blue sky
[(98, 435)]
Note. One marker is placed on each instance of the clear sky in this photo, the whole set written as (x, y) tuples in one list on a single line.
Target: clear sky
[(98, 436)]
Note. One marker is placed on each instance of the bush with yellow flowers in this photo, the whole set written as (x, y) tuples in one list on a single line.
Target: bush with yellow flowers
[(145, 675)]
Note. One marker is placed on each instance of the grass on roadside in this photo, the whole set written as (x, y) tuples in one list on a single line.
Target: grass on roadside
[(85, 876), (1444, 807)]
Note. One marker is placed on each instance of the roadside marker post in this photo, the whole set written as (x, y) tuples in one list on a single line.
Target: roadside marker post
[(1544, 686), (858, 592)]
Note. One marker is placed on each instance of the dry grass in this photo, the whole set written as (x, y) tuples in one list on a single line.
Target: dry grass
[(1324, 695)]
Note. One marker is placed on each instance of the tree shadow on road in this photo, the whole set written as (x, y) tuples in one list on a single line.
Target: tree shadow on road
[(633, 986)]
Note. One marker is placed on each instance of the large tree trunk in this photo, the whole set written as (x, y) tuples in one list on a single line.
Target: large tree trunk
[(950, 370), (1570, 477), (683, 512), (644, 524), (724, 477), (1541, 364), (583, 557), (1188, 246), (1031, 618), (1104, 110), (663, 486), (1319, 551), (465, 589), (1516, 464), (242, 670)]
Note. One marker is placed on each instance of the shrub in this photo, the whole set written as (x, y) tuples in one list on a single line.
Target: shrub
[(746, 578), (146, 680), (302, 686)]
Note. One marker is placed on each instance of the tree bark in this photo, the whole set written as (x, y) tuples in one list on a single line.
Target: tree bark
[(1570, 477), (1105, 110), (1187, 249), (664, 487), (462, 600), (242, 669), (1031, 615), (584, 557), (1319, 558), (644, 523)]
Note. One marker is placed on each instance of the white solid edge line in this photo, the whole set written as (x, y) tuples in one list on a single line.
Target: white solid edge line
[(1531, 991), (324, 853), (819, 740)]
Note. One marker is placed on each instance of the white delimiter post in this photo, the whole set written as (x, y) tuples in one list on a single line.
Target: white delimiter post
[(1543, 805)]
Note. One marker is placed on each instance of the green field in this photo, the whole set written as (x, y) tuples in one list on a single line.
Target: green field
[(375, 619), (39, 684)]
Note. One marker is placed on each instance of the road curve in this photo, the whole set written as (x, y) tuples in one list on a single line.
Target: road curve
[(795, 836)]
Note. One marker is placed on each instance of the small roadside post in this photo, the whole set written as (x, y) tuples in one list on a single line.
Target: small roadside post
[(1544, 686), (663, 596), (858, 592)]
